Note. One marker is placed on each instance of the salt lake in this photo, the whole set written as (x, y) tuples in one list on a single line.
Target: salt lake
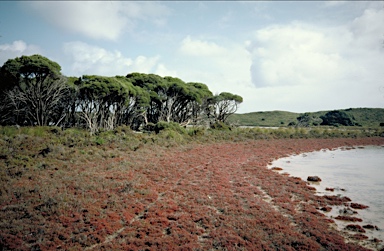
[(357, 173)]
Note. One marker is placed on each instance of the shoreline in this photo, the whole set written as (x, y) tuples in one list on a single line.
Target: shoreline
[(197, 196), (295, 167)]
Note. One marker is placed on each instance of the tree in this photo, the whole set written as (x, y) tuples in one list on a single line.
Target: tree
[(183, 101), (105, 102), (26, 70), (40, 103), (306, 120), (171, 99), (193, 104), (221, 106), (336, 118), (31, 90), (154, 86)]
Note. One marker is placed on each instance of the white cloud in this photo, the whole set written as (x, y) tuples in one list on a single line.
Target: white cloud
[(200, 48), (304, 67), (89, 59), (163, 71), (368, 29), (295, 54), (16, 49), (99, 19), (223, 67), (144, 64)]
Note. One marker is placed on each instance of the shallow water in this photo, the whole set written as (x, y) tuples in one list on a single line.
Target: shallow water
[(358, 171)]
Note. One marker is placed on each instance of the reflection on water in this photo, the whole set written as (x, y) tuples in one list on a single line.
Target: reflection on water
[(359, 171)]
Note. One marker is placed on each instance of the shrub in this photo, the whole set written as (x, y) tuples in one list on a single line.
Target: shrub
[(169, 138), (170, 126), (316, 133), (150, 127), (123, 130), (9, 131), (99, 141), (196, 131), (218, 125)]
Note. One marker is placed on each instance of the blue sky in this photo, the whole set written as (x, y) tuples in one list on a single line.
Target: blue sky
[(278, 55)]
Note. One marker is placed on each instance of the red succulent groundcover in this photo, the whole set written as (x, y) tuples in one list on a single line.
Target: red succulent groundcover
[(193, 197)]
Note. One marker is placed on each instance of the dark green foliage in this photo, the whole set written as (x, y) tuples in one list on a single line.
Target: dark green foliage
[(149, 127), (337, 118), (22, 70), (32, 91), (107, 102), (307, 119), (98, 103), (222, 106), (171, 99)]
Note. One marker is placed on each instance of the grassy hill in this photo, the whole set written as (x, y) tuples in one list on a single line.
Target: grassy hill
[(367, 117)]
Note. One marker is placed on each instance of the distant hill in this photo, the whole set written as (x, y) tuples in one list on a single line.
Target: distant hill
[(367, 117)]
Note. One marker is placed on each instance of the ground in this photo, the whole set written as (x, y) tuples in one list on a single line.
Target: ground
[(212, 196)]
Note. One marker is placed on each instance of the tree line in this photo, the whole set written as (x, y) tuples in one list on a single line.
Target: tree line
[(331, 118), (34, 92)]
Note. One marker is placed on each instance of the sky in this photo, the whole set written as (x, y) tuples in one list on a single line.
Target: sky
[(299, 56)]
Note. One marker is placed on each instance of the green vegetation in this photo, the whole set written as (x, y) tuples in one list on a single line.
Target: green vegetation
[(33, 92), (365, 117), (161, 135), (337, 118), (122, 190)]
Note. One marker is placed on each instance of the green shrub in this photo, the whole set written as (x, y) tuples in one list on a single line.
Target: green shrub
[(9, 131), (316, 133), (218, 125), (99, 141), (169, 138), (123, 130), (196, 131), (170, 126)]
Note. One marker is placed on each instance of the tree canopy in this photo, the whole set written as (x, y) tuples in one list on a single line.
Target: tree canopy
[(223, 105), (33, 89), (24, 69), (336, 118)]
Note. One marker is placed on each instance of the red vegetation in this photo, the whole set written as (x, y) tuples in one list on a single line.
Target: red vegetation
[(314, 178), (336, 200), (326, 209), (358, 206), (359, 237), (348, 218), (202, 197), (372, 227), (355, 228)]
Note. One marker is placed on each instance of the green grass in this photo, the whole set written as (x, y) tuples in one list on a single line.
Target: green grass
[(366, 117)]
